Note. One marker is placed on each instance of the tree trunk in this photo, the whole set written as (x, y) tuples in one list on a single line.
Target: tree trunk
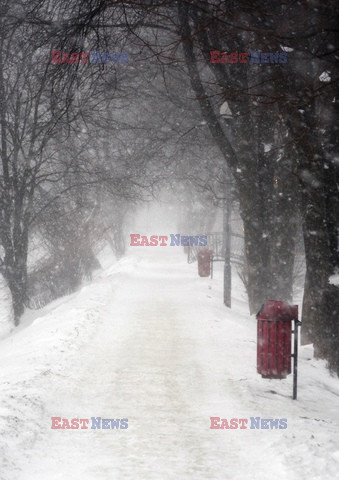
[(15, 275), (257, 251)]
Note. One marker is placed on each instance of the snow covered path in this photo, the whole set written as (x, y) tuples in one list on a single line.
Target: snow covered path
[(151, 342)]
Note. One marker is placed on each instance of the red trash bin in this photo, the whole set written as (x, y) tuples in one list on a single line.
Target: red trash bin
[(274, 338), (204, 262)]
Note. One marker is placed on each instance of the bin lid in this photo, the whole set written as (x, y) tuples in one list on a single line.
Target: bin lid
[(275, 310), (205, 252)]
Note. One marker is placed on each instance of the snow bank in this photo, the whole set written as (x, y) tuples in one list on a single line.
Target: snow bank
[(32, 360)]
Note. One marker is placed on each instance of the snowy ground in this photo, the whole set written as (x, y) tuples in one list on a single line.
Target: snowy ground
[(150, 341)]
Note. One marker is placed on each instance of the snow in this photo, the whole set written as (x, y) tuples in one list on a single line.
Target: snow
[(225, 110), (150, 341), (325, 76), (334, 279)]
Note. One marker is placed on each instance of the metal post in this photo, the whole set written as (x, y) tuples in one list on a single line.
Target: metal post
[(295, 358), (212, 266), (227, 246)]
